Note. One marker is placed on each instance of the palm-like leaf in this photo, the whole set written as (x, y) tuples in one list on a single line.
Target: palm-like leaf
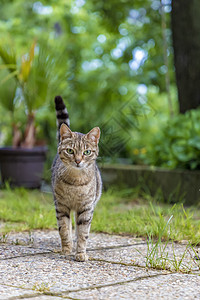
[(9, 76), (8, 56), (7, 92), (26, 63), (42, 79), (38, 77)]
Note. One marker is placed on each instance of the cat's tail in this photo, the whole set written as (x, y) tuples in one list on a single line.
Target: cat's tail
[(61, 114)]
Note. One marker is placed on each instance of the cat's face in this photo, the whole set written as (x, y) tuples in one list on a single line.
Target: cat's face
[(78, 150)]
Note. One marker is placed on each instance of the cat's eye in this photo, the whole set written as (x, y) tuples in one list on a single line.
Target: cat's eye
[(87, 152), (70, 151)]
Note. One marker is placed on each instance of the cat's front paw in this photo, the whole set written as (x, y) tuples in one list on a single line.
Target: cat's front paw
[(66, 250), (81, 257)]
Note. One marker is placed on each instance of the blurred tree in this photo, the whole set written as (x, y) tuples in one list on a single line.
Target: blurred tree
[(113, 54), (119, 35), (186, 41)]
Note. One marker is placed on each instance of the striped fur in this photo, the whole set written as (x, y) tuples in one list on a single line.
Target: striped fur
[(62, 115), (76, 182)]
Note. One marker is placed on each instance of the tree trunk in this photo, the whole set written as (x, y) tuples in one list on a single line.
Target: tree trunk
[(29, 135), (186, 42)]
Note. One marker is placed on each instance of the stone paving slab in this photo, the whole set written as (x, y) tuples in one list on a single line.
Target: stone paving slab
[(46, 297), (56, 274), (173, 255), (9, 292), (49, 239), (31, 267), (11, 251), (173, 286)]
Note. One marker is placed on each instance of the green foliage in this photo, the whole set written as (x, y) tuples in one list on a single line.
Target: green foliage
[(177, 144), (144, 119), (9, 58), (87, 53), (36, 76), (108, 32), (7, 92), (30, 83), (44, 79)]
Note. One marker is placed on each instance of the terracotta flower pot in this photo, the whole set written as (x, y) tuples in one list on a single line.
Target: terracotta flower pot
[(21, 166)]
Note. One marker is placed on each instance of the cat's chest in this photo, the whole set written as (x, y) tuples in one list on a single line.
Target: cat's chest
[(76, 188), (75, 196)]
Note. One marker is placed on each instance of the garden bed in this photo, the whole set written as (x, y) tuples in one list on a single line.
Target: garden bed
[(175, 185)]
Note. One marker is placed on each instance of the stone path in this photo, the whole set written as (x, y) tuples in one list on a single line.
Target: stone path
[(119, 267)]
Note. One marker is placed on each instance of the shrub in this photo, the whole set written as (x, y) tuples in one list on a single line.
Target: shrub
[(177, 144)]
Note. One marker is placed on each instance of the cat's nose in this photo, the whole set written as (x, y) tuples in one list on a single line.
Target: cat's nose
[(77, 160)]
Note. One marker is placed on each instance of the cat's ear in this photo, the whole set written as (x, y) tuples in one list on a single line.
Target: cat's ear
[(65, 132), (94, 134)]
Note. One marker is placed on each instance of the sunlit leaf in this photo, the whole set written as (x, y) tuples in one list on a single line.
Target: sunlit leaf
[(7, 92), (26, 64), (7, 66), (9, 76), (8, 55)]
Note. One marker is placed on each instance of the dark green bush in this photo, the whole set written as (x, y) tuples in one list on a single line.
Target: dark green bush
[(177, 144)]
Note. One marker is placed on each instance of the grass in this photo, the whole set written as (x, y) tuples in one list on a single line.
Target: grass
[(41, 287), (158, 257), (120, 212), (22, 209), (126, 213)]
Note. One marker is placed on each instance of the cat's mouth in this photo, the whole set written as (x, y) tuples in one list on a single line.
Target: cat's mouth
[(79, 166)]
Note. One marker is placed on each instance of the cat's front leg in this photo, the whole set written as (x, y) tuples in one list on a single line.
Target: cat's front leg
[(83, 223), (65, 230)]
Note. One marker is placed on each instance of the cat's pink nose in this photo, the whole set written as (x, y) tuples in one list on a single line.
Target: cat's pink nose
[(78, 160)]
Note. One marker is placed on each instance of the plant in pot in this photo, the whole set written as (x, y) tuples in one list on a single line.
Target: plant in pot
[(26, 84)]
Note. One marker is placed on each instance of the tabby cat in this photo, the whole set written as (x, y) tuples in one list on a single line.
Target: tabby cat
[(76, 181)]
